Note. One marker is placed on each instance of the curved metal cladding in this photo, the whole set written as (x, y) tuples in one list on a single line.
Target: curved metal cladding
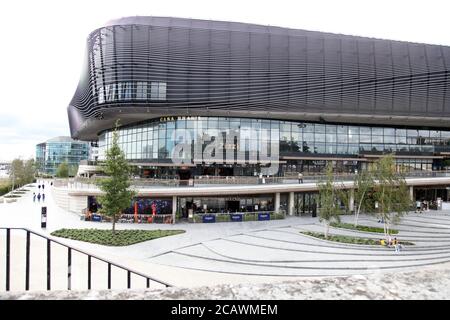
[(145, 67)]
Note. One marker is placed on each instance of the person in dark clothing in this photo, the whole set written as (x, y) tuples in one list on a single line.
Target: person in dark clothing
[(43, 197), (42, 187), (34, 197), (39, 197)]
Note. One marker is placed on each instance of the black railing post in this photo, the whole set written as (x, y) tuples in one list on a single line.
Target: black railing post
[(8, 253), (48, 264), (27, 263), (109, 275), (89, 272), (69, 269), (69, 263)]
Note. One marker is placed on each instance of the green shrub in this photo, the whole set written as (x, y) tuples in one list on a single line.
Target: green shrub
[(106, 237), (250, 217), (361, 228), (276, 216), (349, 239), (223, 218)]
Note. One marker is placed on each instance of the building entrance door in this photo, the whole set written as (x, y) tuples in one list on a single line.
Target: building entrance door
[(306, 203), (232, 206)]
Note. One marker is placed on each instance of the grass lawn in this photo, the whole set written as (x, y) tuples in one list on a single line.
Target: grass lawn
[(361, 228), (121, 238), (349, 239)]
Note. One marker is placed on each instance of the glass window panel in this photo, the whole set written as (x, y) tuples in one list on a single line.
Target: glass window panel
[(342, 137), (366, 138), (141, 90), (342, 148), (365, 131), (236, 124), (412, 133), (162, 91), (435, 134), (296, 136), (353, 149), (213, 124), (389, 131), (320, 128), (273, 124), (342, 130), (331, 149), (365, 147), (377, 139), (319, 137), (353, 130), (285, 126), (331, 128), (353, 138), (400, 132), (331, 137), (377, 131), (319, 148), (424, 133), (389, 139), (181, 124), (401, 140), (309, 127), (274, 135), (308, 136), (285, 136), (170, 125), (154, 90)]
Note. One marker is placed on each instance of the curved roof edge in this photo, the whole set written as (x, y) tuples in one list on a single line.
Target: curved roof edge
[(233, 26)]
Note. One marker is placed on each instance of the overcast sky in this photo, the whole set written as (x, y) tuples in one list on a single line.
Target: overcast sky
[(42, 45)]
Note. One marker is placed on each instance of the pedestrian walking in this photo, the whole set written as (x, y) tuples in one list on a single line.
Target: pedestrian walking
[(39, 197), (34, 197), (43, 197), (42, 187), (300, 177), (39, 187)]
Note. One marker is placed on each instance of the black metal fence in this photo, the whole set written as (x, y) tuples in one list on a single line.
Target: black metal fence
[(10, 269)]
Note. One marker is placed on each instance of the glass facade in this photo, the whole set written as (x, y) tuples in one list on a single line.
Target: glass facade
[(154, 140), (50, 154)]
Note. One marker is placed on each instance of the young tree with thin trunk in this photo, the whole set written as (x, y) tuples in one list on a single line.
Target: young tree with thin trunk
[(328, 200), (363, 184), (390, 192), (116, 186)]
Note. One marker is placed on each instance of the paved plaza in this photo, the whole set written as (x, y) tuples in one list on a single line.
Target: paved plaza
[(246, 252)]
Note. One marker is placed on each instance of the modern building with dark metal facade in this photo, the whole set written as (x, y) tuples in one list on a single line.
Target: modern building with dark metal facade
[(328, 97)]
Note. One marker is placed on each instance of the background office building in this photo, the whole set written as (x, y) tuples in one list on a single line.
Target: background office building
[(53, 152)]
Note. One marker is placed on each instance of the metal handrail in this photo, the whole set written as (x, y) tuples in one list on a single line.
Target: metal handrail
[(69, 255), (242, 180)]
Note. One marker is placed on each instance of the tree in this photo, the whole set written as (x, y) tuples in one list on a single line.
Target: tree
[(16, 172), (329, 200), (73, 169), (390, 193), (63, 170), (363, 184), (29, 171), (21, 172), (116, 186)]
